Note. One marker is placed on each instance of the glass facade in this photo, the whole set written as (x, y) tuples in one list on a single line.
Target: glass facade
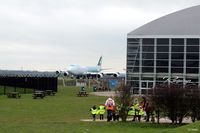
[(150, 61)]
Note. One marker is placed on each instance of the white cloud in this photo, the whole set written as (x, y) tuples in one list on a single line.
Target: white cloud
[(49, 34)]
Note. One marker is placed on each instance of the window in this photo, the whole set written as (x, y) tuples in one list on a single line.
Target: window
[(144, 84), (162, 41), (150, 84), (192, 70), (134, 78), (130, 57), (147, 69), (177, 56), (135, 83), (177, 42), (147, 62), (146, 78), (162, 48), (136, 63), (135, 69), (192, 41), (177, 49), (133, 40), (148, 41), (129, 68), (192, 63), (177, 70), (147, 55), (192, 48), (162, 70), (133, 49), (148, 48), (177, 63), (162, 63), (193, 56), (159, 82), (133, 62), (130, 63), (162, 55), (133, 44), (192, 80), (133, 56)]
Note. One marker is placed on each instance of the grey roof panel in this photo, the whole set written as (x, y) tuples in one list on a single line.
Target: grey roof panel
[(16, 73), (183, 22)]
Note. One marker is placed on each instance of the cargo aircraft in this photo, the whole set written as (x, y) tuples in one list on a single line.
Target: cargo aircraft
[(79, 71)]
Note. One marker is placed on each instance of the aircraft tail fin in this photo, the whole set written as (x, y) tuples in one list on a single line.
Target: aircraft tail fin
[(100, 61)]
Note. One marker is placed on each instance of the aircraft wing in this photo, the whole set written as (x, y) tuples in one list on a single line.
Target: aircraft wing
[(106, 69)]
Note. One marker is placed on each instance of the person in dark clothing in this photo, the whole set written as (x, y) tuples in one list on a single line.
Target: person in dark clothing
[(149, 108), (116, 113)]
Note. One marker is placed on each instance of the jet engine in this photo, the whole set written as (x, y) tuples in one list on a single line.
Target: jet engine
[(61, 73)]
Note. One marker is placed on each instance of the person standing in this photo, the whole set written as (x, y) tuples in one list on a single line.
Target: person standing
[(101, 111), (141, 113), (116, 113), (136, 110), (110, 103), (93, 111), (131, 111), (149, 108)]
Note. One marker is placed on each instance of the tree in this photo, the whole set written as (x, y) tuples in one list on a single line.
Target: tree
[(123, 99), (193, 94), (172, 100)]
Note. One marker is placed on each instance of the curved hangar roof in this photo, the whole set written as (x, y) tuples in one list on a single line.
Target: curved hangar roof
[(183, 22)]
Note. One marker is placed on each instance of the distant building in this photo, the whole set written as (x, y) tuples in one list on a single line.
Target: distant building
[(166, 48)]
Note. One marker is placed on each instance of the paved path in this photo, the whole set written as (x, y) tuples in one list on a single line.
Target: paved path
[(103, 93), (162, 120)]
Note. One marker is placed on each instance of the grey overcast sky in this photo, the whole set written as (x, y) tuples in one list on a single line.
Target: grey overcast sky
[(51, 34)]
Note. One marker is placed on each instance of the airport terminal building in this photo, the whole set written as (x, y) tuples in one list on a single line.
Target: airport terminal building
[(167, 48)]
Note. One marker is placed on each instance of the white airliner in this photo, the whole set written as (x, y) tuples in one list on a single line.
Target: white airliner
[(90, 71)]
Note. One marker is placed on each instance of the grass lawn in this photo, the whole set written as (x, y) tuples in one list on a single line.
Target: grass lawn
[(194, 127), (62, 114)]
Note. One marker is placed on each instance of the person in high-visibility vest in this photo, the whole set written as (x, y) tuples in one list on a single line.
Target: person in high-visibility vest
[(93, 111), (131, 111), (141, 113), (136, 109), (101, 111)]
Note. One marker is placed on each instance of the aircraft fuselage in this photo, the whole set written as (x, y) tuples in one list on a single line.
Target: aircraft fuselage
[(81, 70)]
